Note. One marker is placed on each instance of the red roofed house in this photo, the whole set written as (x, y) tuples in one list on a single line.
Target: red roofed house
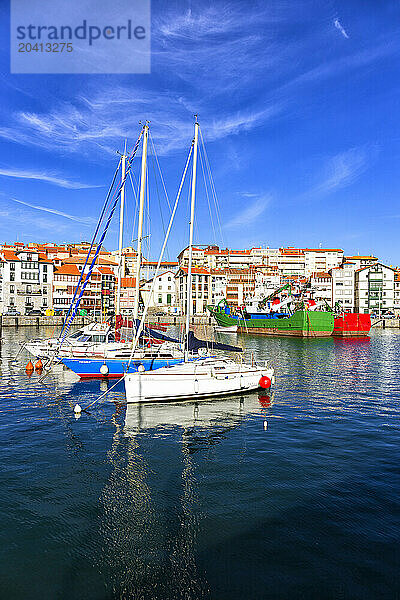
[(66, 279), (98, 296), (127, 304)]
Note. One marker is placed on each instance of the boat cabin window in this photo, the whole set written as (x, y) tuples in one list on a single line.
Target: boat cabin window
[(98, 338), (111, 337), (75, 335)]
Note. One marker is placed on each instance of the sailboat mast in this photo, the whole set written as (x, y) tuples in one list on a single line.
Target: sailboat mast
[(140, 225), (121, 231), (189, 275)]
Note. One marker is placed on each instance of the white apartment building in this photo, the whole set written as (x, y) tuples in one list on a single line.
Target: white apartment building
[(201, 289), (343, 285), (321, 286), (396, 304), (361, 261), (289, 261), (321, 259), (219, 282), (27, 281), (164, 292), (374, 289)]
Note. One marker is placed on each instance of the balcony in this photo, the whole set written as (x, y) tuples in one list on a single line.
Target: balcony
[(32, 293)]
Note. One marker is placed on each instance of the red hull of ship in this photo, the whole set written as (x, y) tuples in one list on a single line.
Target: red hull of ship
[(352, 324)]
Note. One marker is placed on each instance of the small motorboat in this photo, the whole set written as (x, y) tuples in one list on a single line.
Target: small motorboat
[(232, 329)]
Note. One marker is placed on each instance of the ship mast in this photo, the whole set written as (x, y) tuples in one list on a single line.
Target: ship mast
[(121, 231), (140, 225), (189, 275)]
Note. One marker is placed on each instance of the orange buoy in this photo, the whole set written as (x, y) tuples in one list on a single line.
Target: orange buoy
[(39, 365), (29, 369)]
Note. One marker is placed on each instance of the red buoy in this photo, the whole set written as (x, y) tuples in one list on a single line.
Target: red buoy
[(39, 365), (29, 368), (265, 382)]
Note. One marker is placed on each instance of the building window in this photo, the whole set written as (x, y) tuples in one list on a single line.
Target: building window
[(159, 299), (12, 276), (12, 266), (12, 289)]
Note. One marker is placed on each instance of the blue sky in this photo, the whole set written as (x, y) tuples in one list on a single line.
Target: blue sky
[(298, 103)]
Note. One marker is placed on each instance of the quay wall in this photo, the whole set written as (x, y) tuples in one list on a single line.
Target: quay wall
[(24, 321), (387, 323)]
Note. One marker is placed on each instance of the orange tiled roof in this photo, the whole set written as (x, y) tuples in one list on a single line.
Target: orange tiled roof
[(128, 282), (320, 274), (154, 263), (322, 250), (361, 257), (68, 270), (106, 270), (196, 271), (43, 258), (9, 255), (226, 252), (79, 260)]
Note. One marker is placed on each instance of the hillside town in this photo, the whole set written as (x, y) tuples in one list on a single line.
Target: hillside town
[(42, 278)]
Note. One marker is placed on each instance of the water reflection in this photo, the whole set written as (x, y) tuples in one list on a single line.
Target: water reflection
[(284, 495), (204, 415)]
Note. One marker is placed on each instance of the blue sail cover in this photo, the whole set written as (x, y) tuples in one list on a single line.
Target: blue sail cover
[(193, 343)]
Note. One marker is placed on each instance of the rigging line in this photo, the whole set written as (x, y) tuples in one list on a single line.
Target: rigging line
[(140, 328), (215, 197), (135, 195), (161, 175), (148, 236), (158, 198), (207, 195), (110, 216), (91, 245)]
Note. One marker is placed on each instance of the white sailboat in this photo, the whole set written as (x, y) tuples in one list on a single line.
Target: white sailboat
[(204, 377)]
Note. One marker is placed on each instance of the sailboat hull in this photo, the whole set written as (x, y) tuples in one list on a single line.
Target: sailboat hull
[(94, 369), (200, 379)]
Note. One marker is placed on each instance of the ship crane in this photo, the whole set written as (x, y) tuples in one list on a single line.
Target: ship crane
[(263, 302)]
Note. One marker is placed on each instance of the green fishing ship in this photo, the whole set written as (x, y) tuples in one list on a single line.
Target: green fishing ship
[(301, 323)]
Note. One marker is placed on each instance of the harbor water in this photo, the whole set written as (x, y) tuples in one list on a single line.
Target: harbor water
[(292, 494)]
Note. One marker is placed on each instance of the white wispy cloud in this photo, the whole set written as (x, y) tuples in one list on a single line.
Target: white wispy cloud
[(340, 27), (249, 215), (343, 169), (101, 120), (46, 177), (215, 59), (53, 211)]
